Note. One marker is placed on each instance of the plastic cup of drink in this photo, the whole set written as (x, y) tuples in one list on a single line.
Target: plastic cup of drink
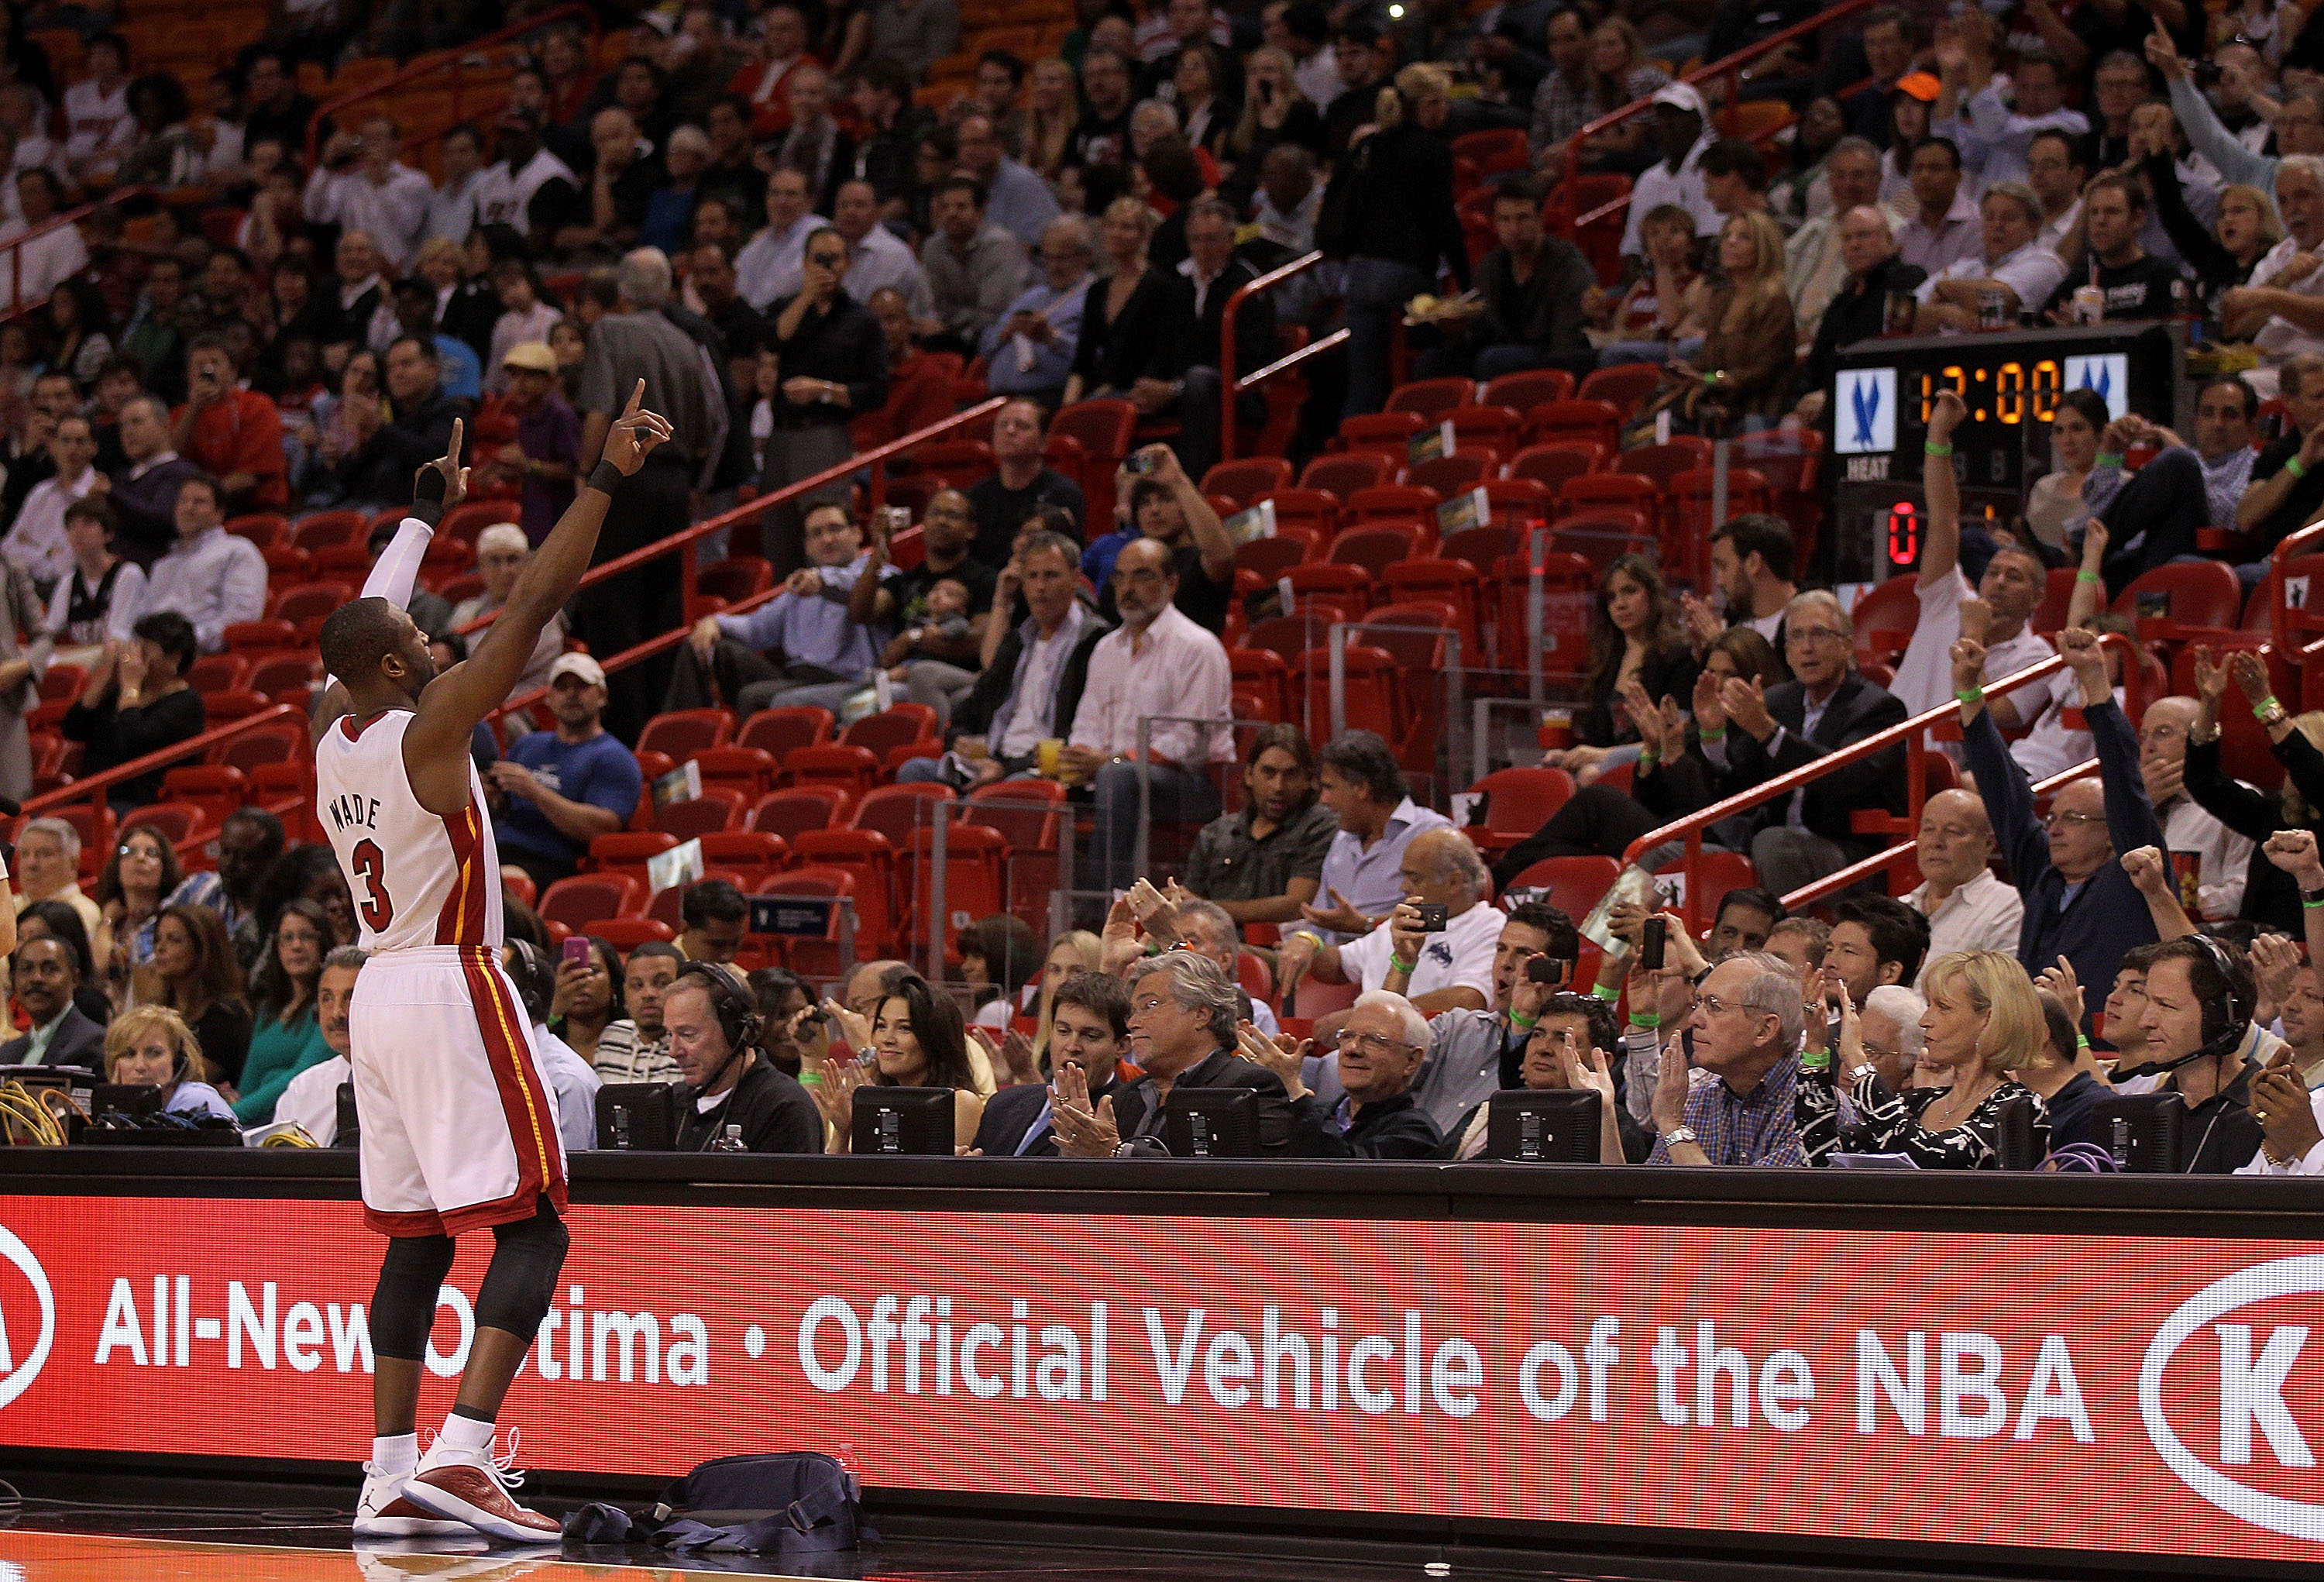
[(1048, 757), (1556, 731), (972, 748)]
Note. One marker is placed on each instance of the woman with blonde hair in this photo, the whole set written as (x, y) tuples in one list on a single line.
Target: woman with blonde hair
[(1396, 207), (1075, 950), (1051, 105), (1617, 73), (1274, 111), (151, 1046), (1985, 1024), (1750, 339), (1122, 326)]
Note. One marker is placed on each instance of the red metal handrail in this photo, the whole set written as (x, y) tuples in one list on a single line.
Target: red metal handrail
[(92, 788), (457, 60), (683, 543), (1229, 385), (1730, 70), (14, 246), (1911, 733)]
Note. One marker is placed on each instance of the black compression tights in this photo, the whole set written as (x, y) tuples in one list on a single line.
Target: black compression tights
[(519, 1286)]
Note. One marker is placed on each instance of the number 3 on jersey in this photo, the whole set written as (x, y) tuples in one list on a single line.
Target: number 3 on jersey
[(377, 906)]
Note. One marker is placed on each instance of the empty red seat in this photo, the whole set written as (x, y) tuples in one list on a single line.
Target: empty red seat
[(625, 934), (265, 743), (779, 730), (1032, 818), (626, 853), (215, 789), (1384, 434), (868, 855), (1535, 387), (1575, 884), (975, 879), (1555, 463), (312, 601), (173, 822), (1517, 803), (1453, 474), (713, 809), (749, 772), (1343, 476), (1246, 481), (790, 813), (685, 732), (821, 958), (587, 896), (897, 723), (852, 770), (896, 810), (755, 855), (1596, 422)]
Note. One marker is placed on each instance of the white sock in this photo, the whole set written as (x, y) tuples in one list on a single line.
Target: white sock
[(395, 1453), (465, 1434)]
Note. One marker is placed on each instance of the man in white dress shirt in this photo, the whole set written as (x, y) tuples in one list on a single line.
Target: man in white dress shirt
[(877, 258), (452, 207), (362, 186), (2011, 263), (46, 259), (212, 577), (100, 128), (1157, 664), (1967, 908), (1451, 969), (769, 265), (2223, 857), (36, 541)]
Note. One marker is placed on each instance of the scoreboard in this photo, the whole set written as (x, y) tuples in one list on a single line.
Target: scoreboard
[(2011, 381)]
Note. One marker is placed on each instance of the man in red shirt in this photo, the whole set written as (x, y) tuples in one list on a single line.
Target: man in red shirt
[(234, 435)]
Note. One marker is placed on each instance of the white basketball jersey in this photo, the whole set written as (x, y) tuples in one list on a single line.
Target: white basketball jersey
[(418, 878)]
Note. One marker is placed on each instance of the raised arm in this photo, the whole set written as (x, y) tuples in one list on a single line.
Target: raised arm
[(2130, 816), (436, 744), (2294, 851), (1941, 551), (2151, 875), (2008, 795)]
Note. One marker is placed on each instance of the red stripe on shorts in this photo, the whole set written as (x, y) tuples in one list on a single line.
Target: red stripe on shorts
[(462, 919), (524, 1097)]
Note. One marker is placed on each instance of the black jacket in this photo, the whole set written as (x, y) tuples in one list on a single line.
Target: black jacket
[(115, 735), (381, 470), (974, 715), (2270, 895), (1387, 1128), (1851, 316), (1016, 1112), (1219, 1069), (1400, 207), (1858, 710), (78, 1041), (842, 343), (1112, 355), (1189, 338), (1545, 312), (774, 1113)]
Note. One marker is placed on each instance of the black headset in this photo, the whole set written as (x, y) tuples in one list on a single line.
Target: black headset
[(2224, 1019), (738, 1014)]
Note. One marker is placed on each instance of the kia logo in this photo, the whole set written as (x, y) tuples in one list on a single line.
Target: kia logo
[(2253, 1418), (19, 1376)]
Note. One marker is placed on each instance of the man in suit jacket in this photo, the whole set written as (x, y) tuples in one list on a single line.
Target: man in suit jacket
[(1183, 1012), (45, 976), (1089, 1030), (1184, 378), (1826, 706), (1029, 688)]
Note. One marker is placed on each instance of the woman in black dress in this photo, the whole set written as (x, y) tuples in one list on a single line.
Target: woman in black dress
[(1122, 329), (1984, 1022), (1634, 631)]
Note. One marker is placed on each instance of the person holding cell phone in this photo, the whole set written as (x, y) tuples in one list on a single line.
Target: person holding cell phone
[(1436, 948)]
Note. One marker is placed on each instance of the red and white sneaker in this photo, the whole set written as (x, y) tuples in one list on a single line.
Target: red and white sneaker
[(383, 1512), (473, 1489)]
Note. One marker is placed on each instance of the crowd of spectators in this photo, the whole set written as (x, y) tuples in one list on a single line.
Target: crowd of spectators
[(778, 218)]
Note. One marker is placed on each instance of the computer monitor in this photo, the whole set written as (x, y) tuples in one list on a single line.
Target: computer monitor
[(1211, 1123), (2140, 1131), (1557, 1126), (903, 1120), (637, 1117), (2013, 1135)]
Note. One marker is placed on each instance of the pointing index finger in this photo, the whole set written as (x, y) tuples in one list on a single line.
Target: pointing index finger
[(637, 399)]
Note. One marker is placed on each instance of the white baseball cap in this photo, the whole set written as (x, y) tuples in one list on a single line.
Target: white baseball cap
[(1682, 96), (591, 672)]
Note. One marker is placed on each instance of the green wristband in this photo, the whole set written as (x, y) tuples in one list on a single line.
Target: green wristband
[(2082, 1041), (1405, 968), (1971, 694), (1938, 450), (2310, 905), (2088, 577), (2260, 708), (1645, 1019), (2295, 469), (1606, 992), (1521, 1022), (1718, 735), (1647, 760)]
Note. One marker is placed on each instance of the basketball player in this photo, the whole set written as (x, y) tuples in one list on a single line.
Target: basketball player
[(459, 1130)]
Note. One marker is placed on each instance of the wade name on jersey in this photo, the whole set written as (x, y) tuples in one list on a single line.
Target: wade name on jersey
[(353, 810)]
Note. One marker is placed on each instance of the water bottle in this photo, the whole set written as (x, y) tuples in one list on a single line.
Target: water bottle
[(729, 1141)]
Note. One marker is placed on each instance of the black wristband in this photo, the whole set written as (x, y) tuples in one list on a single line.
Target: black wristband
[(427, 495), (605, 477)]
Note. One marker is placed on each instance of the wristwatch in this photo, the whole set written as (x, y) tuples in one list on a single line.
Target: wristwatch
[(1676, 1135), (2274, 716)]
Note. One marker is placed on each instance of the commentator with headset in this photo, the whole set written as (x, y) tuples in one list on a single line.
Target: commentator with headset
[(715, 1027), (2202, 1044)]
